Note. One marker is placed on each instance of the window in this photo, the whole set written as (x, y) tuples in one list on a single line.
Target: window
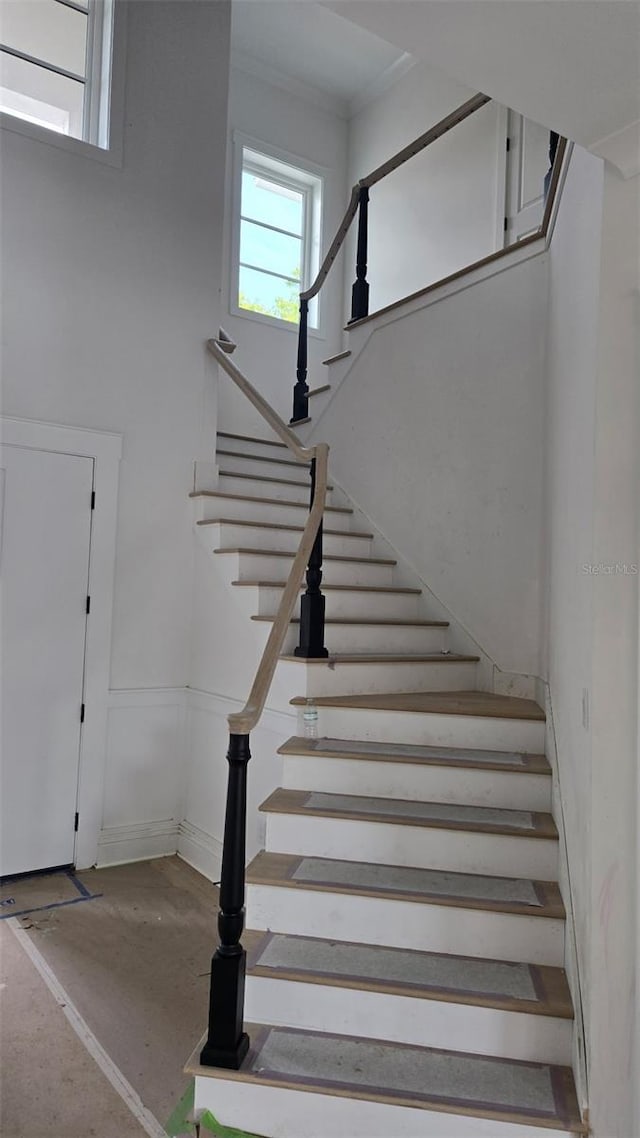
[(55, 63), (278, 236)]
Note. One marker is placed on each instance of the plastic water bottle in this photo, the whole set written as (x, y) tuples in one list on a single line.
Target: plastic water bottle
[(310, 720)]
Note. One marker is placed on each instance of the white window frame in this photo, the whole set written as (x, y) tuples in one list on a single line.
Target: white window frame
[(311, 183), (103, 111)]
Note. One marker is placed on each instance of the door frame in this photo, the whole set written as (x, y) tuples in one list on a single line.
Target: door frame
[(105, 448)]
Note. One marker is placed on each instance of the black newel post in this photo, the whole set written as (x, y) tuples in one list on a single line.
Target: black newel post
[(311, 644), (227, 1043), (301, 387), (360, 290)]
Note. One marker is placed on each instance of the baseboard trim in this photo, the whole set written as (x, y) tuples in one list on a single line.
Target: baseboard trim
[(140, 842), (200, 850)]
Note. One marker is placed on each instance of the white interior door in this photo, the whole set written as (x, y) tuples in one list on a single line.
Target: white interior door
[(44, 564), (527, 164)]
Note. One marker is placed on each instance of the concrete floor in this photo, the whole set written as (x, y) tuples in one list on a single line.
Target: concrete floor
[(135, 963)]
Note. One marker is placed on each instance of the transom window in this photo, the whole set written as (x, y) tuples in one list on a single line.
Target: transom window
[(55, 63), (279, 236)]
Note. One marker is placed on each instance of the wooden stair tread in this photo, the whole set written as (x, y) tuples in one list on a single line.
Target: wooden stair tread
[(265, 501), (431, 1079), (402, 812), (264, 458), (279, 526), (364, 750), (327, 556), (474, 703), (388, 622), (338, 356), (267, 478), (251, 439), (319, 390), (406, 883), (380, 657), (508, 985), (393, 589)]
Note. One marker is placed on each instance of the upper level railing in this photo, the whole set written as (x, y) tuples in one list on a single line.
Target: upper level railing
[(227, 1042), (359, 204)]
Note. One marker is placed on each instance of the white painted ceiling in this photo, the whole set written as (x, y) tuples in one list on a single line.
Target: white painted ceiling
[(573, 65), (302, 40)]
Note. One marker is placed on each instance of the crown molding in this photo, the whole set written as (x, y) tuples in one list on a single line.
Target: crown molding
[(251, 65), (622, 149), (382, 82)]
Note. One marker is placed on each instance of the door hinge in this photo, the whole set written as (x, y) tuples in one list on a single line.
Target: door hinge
[(88, 605), (508, 144), (93, 499), (82, 713), (506, 224), (75, 824)]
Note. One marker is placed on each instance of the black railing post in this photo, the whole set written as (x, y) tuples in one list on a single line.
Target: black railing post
[(301, 387), (360, 290), (311, 646), (227, 1043)]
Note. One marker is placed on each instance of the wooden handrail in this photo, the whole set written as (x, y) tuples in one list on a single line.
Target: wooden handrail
[(335, 246), (446, 124), (222, 348), (242, 722)]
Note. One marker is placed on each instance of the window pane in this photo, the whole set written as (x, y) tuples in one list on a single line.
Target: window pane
[(53, 92), (52, 32), (270, 202), (269, 250), (260, 292)]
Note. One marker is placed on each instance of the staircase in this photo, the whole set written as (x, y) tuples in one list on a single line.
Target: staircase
[(405, 928)]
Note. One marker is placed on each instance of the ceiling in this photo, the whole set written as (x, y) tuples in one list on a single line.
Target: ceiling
[(573, 65), (309, 44)]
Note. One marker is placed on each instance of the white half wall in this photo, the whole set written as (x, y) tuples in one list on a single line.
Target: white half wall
[(438, 212), (437, 435)]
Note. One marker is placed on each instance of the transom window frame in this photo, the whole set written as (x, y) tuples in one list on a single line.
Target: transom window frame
[(302, 176), (103, 114)]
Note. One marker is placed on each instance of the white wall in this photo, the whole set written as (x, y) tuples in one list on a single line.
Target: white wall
[(266, 352), (571, 408), (437, 434), (615, 880), (437, 213), (593, 502), (111, 283)]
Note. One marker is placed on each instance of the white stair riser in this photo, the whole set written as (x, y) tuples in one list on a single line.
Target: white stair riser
[(387, 843), (283, 1113), (406, 924), (270, 469), (481, 732), (364, 678), (386, 639), (255, 447), (258, 488), (217, 506), (254, 567), (502, 789), (380, 606), (226, 535), (409, 1019)]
